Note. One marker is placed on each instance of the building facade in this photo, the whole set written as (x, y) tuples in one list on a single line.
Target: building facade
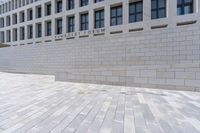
[(149, 43), (38, 21)]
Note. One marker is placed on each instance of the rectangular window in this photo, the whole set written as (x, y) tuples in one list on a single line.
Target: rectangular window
[(48, 9), (99, 19), (83, 2), (8, 35), (158, 9), (22, 16), (2, 37), (16, 5), (27, 2), (184, 7), (14, 18), (6, 7), (20, 3), (84, 21), (14, 34), (1, 22), (70, 4), (116, 16), (30, 31), (48, 28), (38, 12), (29, 14), (58, 6), (38, 30), (59, 26), (135, 12), (9, 5), (22, 33), (23, 2), (8, 21), (13, 5), (70, 27), (0, 9)]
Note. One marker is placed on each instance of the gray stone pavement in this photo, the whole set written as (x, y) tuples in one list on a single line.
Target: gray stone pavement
[(38, 104)]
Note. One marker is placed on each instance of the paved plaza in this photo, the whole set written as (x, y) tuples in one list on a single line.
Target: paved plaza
[(38, 104)]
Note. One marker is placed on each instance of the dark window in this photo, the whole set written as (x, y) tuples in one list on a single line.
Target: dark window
[(16, 5), (184, 7), (116, 16), (0, 10), (22, 33), (98, 1), (30, 32), (8, 21), (14, 34), (1, 22), (27, 2), (71, 24), (8, 36), (135, 12), (70, 4), (2, 37), (83, 2), (14, 18), (22, 18), (48, 9), (99, 19), (48, 28), (39, 30), (59, 6), (59, 26), (39, 12), (30, 14), (158, 9), (84, 21)]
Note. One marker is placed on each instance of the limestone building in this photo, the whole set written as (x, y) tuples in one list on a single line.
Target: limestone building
[(148, 43)]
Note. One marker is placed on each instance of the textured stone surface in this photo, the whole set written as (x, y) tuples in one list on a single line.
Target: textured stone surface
[(166, 58), (36, 103)]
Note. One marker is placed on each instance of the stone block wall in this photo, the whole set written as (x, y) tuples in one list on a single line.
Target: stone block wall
[(166, 58)]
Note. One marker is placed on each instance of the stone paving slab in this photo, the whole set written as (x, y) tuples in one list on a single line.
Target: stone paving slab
[(38, 104)]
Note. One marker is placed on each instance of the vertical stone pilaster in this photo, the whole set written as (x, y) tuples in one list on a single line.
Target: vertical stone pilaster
[(25, 32), (43, 29), (146, 12), (172, 12), (196, 6), (64, 7), (91, 20), (34, 24), (53, 23), (198, 2), (43, 22), (107, 17), (18, 34), (125, 6), (53, 7), (25, 27), (64, 19), (77, 17)]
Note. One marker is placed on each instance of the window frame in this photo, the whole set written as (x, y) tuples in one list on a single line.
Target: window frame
[(100, 20), (158, 9), (84, 25), (184, 4), (70, 24), (135, 13), (116, 16)]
